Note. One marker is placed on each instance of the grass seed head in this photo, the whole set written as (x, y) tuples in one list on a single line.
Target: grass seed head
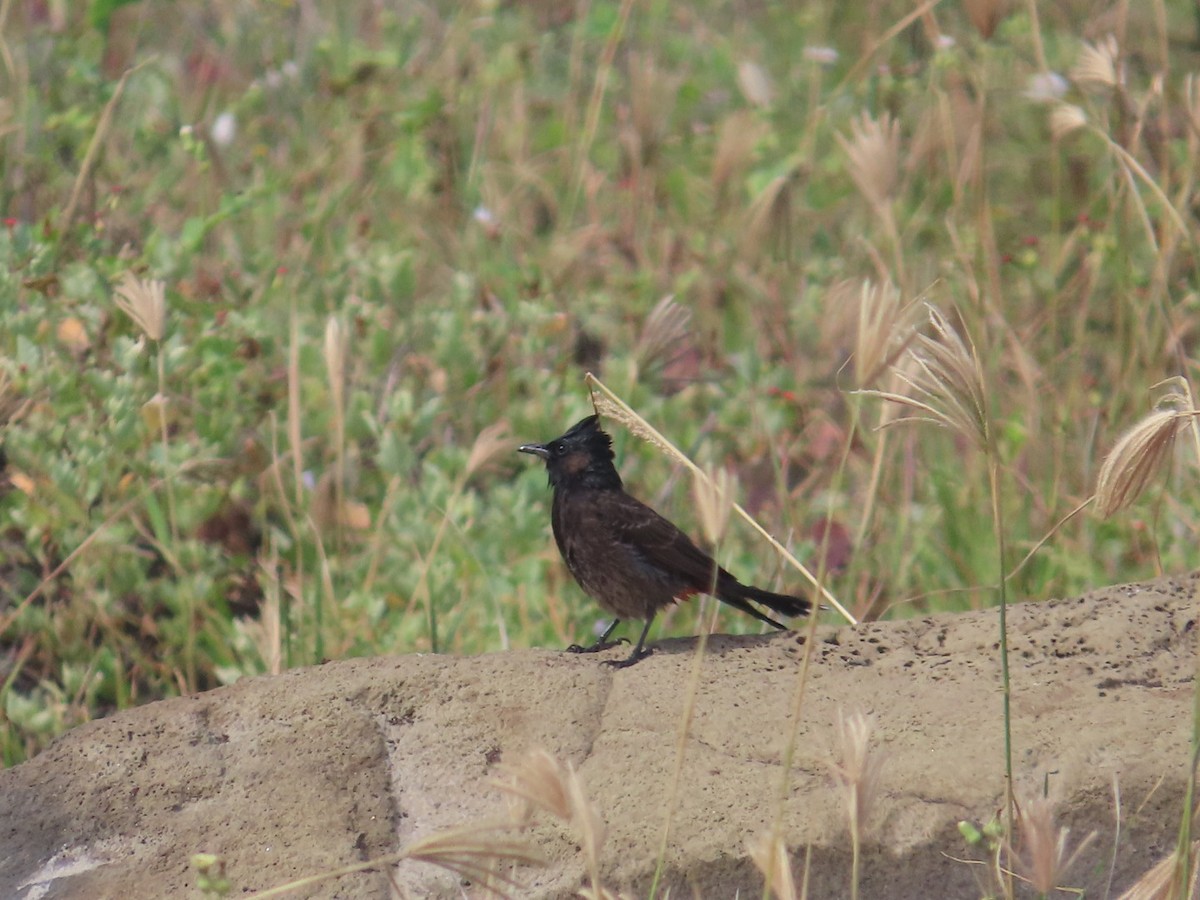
[(1135, 459), (145, 302), (874, 151), (769, 854), (1044, 859), (857, 766), (1099, 65)]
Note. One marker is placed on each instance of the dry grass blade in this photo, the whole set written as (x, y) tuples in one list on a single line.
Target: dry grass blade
[(1098, 65), (664, 329), (1136, 458), (769, 854), (588, 823), (145, 302), (874, 151), (609, 404), (1045, 859), (470, 851)]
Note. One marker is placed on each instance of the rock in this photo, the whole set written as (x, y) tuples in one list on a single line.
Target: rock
[(325, 767)]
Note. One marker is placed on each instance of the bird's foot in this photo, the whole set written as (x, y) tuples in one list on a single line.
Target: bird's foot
[(636, 656), (597, 647)]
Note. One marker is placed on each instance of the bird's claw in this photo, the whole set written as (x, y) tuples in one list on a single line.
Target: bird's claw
[(597, 647), (635, 657)]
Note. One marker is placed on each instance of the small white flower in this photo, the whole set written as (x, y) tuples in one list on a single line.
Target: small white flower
[(1045, 87), (825, 56), (945, 41), (224, 129), (483, 216), (185, 131)]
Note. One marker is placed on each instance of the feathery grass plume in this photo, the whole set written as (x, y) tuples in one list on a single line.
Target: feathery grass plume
[(472, 852), (665, 327), (1044, 860), (1098, 65), (537, 782), (652, 94), (755, 84), (492, 442), (1141, 451), (606, 403), (714, 495), (874, 151), (885, 330), (1159, 882), (334, 353), (1066, 118), (737, 137), (770, 216), (856, 769), (944, 383), (540, 782), (769, 854), (145, 302)]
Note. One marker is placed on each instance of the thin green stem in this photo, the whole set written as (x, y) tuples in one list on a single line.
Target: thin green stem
[(1002, 592)]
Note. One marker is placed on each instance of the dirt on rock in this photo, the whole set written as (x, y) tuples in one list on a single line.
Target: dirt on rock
[(329, 766)]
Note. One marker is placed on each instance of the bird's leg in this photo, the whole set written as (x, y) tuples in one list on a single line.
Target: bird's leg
[(603, 644), (639, 652)]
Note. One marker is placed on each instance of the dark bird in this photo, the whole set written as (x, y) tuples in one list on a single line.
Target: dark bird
[(627, 557)]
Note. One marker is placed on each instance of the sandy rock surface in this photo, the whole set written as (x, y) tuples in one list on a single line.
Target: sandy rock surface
[(327, 766)]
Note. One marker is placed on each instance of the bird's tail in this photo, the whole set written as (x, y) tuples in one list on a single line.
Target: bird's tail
[(736, 594)]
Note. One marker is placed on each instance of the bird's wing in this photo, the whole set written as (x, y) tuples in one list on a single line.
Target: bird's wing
[(658, 542)]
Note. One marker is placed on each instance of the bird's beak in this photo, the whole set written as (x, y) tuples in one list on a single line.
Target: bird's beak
[(535, 449)]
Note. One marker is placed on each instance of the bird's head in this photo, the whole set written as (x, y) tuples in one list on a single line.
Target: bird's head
[(583, 457)]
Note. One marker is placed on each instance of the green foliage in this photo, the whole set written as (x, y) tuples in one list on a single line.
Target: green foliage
[(183, 512)]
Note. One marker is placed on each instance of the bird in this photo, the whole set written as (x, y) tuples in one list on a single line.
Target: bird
[(625, 556)]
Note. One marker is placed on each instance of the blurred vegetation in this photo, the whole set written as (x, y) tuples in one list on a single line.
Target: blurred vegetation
[(393, 237)]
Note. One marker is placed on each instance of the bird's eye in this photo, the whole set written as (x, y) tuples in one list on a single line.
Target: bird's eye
[(555, 448)]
